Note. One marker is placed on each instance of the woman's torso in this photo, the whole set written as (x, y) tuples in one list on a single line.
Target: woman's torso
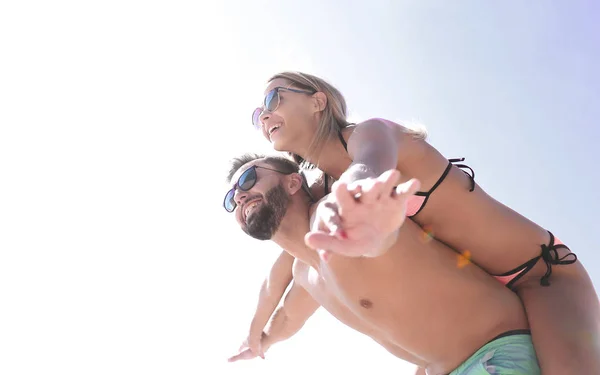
[(471, 222)]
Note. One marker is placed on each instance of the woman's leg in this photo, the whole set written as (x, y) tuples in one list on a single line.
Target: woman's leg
[(564, 319)]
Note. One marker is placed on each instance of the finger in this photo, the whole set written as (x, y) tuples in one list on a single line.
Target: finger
[(343, 197), (354, 188), (390, 179), (404, 190), (325, 218), (246, 354), (324, 255), (332, 220), (256, 349), (324, 241), (258, 353), (371, 190), (330, 209)]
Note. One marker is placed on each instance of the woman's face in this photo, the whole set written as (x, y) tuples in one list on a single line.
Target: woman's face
[(292, 120)]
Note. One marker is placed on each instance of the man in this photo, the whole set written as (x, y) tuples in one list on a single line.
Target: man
[(410, 294)]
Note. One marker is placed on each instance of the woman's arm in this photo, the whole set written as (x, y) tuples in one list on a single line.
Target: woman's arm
[(373, 147)]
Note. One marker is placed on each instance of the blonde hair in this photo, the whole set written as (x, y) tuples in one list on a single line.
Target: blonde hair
[(334, 116), (416, 129)]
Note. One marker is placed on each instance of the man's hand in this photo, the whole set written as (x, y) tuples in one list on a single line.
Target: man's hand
[(254, 343), (288, 319), (251, 348), (360, 218), (242, 355)]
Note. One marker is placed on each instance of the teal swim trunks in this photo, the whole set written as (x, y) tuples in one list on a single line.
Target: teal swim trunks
[(511, 353)]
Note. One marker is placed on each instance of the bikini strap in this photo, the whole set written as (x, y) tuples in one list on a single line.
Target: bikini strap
[(325, 177), (462, 167), (438, 182), (341, 137), (306, 188), (520, 271), (550, 257), (426, 194), (451, 162)]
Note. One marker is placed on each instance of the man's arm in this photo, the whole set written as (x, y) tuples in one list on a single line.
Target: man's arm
[(370, 224), (297, 307), (271, 292)]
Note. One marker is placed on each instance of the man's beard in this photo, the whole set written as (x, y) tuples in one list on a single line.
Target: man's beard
[(265, 222)]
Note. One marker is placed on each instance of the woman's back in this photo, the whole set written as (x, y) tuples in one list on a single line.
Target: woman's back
[(463, 219)]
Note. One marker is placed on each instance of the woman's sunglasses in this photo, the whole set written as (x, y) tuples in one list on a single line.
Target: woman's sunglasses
[(246, 182), (271, 103)]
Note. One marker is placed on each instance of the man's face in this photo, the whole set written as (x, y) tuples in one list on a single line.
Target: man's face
[(261, 208)]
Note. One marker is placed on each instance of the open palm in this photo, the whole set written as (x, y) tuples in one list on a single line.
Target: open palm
[(351, 226)]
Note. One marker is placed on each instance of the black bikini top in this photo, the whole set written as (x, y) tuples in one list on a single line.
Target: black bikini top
[(425, 194)]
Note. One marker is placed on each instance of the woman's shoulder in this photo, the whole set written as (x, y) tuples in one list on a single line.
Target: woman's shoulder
[(399, 128), (408, 136)]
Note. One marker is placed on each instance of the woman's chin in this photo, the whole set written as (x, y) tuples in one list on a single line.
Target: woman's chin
[(278, 144)]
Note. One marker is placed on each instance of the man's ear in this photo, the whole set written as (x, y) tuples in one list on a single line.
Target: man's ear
[(294, 183), (319, 101)]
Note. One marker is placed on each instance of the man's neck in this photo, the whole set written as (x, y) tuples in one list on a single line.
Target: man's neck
[(291, 232)]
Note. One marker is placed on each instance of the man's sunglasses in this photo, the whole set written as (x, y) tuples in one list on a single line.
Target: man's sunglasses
[(246, 182), (271, 103)]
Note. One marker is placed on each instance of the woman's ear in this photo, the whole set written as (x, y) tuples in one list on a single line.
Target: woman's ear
[(320, 101)]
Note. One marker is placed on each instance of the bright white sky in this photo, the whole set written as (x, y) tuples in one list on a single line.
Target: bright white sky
[(118, 119)]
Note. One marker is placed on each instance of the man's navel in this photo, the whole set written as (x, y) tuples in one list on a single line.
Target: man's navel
[(367, 304)]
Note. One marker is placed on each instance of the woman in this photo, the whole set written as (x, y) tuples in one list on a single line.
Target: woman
[(306, 117)]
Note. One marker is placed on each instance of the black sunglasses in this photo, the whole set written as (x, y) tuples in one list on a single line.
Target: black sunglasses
[(246, 182), (271, 103), (248, 179)]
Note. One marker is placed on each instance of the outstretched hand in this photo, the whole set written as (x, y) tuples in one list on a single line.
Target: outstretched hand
[(251, 348), (359, 218), (243, 355)]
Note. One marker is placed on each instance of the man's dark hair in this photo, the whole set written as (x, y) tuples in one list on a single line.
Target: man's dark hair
[(280, 163)]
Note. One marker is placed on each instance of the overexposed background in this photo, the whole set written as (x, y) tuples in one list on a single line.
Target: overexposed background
[(117, 119)]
